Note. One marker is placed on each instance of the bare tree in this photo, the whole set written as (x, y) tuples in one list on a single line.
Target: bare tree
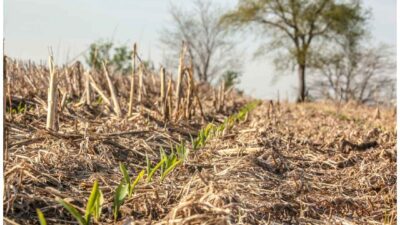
[(210, 48), (365, 75)]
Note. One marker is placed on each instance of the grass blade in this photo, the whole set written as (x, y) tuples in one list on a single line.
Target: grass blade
[(170, 169), (98, 206), (138, 178), (120, 194), (154, 170), (42, 220), (73, 212), (124, 172), (92, 199)]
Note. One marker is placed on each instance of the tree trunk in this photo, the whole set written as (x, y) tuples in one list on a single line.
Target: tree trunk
[(302, 83)]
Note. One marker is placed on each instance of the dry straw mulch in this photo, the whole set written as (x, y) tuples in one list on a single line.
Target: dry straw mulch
[(312, 163)]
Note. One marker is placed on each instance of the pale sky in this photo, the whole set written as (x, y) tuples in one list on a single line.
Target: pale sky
[(69, 26)]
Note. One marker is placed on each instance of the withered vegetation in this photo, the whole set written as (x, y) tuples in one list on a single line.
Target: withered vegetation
[(311, 163)]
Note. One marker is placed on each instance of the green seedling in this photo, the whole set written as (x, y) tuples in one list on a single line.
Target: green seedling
[(164, 156), (193, 141), (98, 206), (170, 167), (203, 136), (211, 129), (42, 220), (119, 197), (199, 141), (135, 182), (172, 160), (21, 108), (127, 179), (241, 115), (181, 151), (125, 174), (124, 189), (93, 206), (74, 212), (152, 171), (99, 100)]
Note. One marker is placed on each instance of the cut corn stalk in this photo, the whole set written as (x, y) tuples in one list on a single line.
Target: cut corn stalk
[(114, 98), (52, 97), (178, 93), (99, 91), (87, 87), (132, 91)]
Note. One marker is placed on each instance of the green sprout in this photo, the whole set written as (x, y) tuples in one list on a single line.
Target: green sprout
[(99, 100), (212, 130), (181, 151), (127, 179), (151, 171), (135, 182), (119, 197), (93, 206), (172, 160), (42, 220)]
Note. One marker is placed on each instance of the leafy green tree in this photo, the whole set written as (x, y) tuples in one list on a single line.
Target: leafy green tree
[(298, 27), (148, 65), (231, 78), (121, 58), (117, 57)]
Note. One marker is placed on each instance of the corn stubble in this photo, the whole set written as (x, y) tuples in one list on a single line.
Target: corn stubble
[(177, 152)]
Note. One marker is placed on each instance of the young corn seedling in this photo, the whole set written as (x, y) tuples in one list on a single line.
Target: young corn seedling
[(119, 197), (93, 206), (42, 220), (21, 108), (135, 182), (193, 141), (170, 165), (124, 189), (228, 123), (204, 134), (98, 206), (170, 161), (127, 179), (220, 129), (99, 100), (151, 171), (181, 151), (211, 129), (241, 115), (199, 141)]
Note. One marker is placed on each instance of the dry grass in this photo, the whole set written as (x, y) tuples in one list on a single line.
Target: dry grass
[(311, 163)]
